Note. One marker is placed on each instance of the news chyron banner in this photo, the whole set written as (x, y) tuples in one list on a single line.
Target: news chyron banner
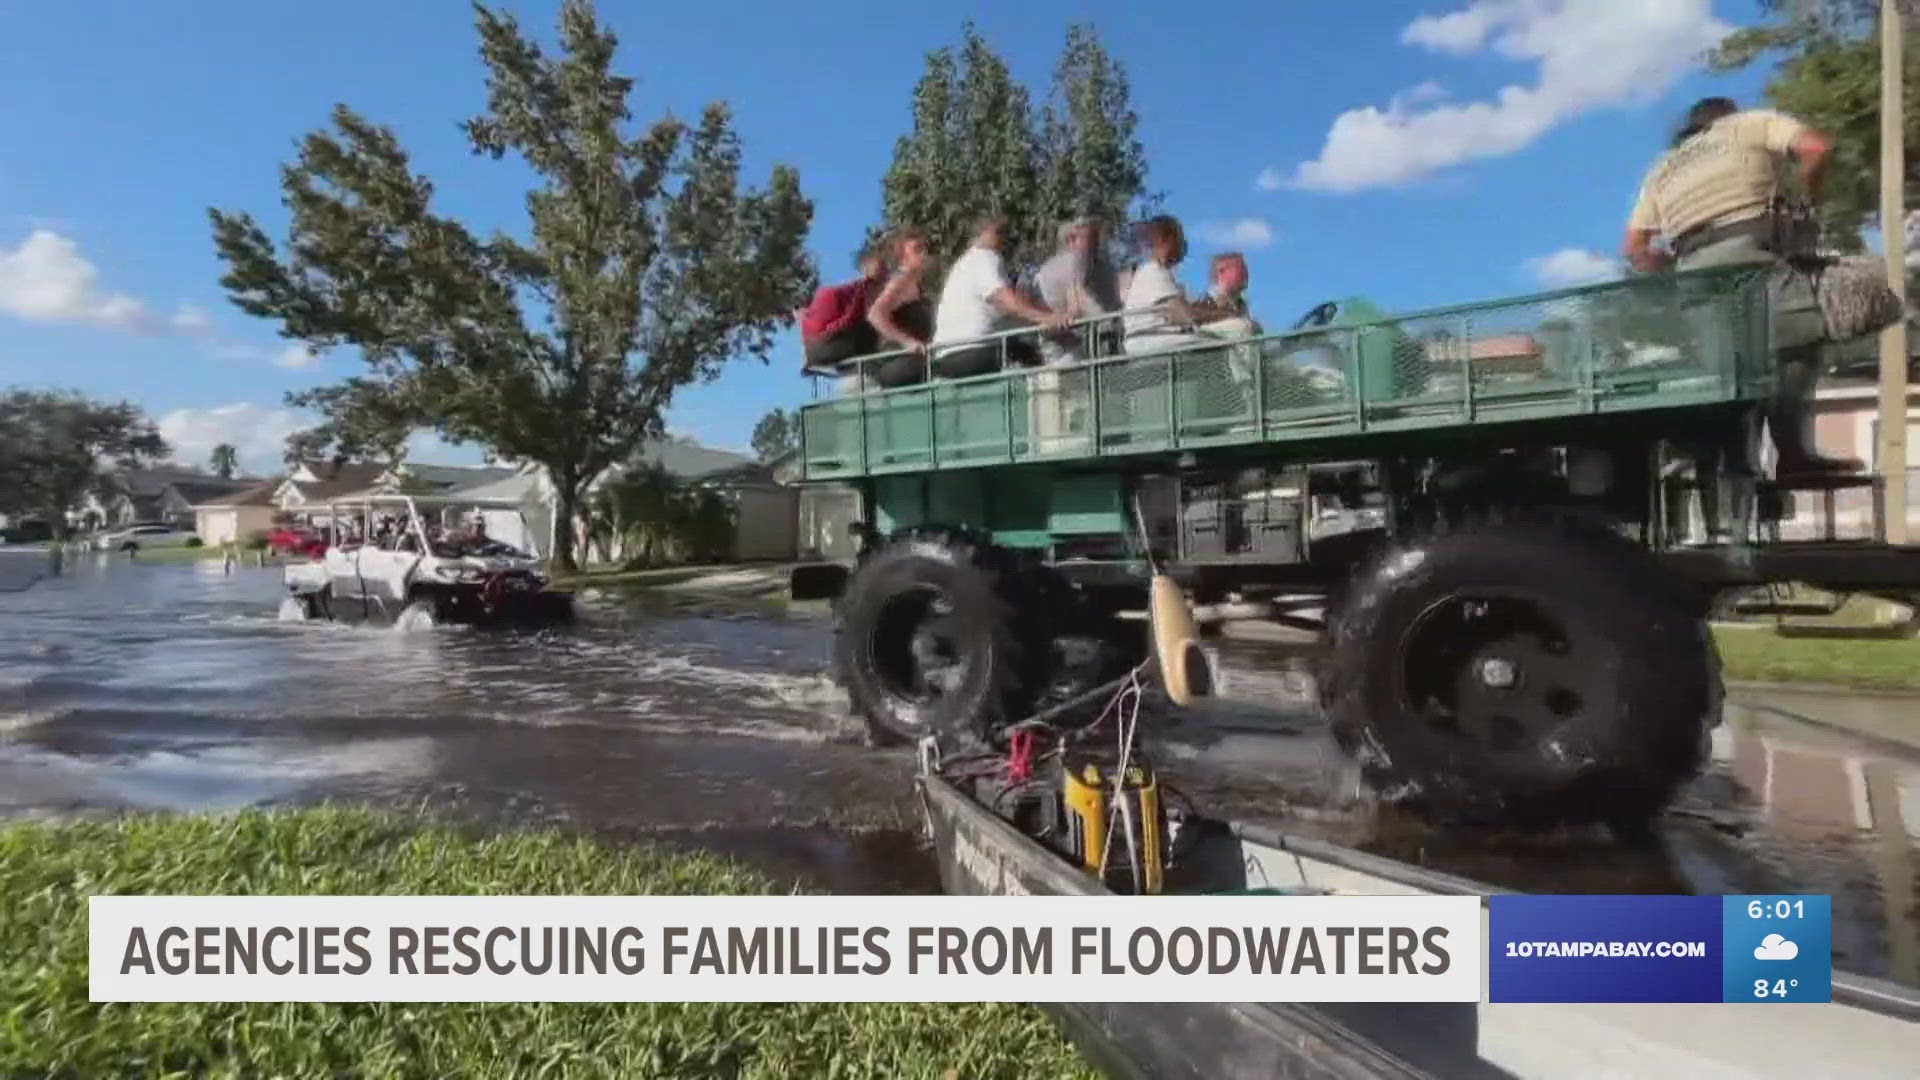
[(787, 948), (1667, 949), (1319, 948)]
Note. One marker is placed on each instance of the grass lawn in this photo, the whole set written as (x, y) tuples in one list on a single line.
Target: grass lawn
[(48, 1028), (1759, 654)]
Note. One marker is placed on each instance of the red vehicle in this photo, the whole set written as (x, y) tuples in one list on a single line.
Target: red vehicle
[(291, 540)]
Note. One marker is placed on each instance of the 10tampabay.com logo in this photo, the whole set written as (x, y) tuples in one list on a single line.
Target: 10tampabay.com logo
[(1659, 948)]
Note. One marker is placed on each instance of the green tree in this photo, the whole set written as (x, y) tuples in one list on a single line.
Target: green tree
[(976, 147), (225, 461), (1828, 75), (1091, 162), (56, 448), (775, 434), (646, 266)]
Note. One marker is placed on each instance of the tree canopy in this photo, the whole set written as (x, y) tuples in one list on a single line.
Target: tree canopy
[(224, 461), (775, 434), (56, 448), (1828, 75), (976, 146), (645, 266)]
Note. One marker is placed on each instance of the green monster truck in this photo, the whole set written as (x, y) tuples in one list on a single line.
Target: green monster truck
[(1508, 520)]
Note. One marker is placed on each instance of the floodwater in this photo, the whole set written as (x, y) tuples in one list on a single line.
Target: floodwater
[(713, 723)]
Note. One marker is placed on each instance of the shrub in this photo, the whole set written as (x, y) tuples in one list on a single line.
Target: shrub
[(257, 540), (194, 541)]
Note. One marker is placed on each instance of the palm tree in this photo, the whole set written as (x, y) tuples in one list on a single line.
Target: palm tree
[(225, 460)]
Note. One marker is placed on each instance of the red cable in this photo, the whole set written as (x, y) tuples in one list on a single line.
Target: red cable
[(1020, 757)]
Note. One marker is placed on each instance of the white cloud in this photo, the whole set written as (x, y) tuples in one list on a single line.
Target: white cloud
[(1270, 179), (295, 357), (46, 279), (1246, 232), (192, 320), (1775, 947), (258, 433), (1573, 266), (1590, 54)]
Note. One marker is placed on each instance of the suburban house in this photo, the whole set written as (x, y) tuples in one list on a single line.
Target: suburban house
[(180, 500), (1846, 424), (310, 484), (234, 516), (766, 508), (143, 495)]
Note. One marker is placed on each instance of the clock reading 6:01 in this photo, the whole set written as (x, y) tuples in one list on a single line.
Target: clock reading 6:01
[(1779, 909)]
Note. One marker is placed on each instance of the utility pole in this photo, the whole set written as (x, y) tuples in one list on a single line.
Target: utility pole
[(1892, 449)]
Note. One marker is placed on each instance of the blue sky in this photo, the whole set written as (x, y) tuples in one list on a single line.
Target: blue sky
[(1418, 152)]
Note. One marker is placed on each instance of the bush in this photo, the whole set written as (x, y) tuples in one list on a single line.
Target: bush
[(194, 541), (256, 540)]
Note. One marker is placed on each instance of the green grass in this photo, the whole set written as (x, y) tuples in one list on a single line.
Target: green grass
[(1759, 654), (48, 1028)]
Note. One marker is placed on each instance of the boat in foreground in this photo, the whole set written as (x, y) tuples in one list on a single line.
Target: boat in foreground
[(1870, 1029)]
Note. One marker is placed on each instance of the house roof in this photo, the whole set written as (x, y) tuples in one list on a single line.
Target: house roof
[(455, 477), (260, 493), (201, 490), (514, 487), (689, 461), (326, 471), (149, 482), (341, 480)]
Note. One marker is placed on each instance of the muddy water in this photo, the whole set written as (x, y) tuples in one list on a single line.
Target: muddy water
[(713, 724)]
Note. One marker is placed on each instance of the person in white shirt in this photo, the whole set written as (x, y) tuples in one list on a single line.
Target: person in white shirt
[(977, 300), (1160, 316)]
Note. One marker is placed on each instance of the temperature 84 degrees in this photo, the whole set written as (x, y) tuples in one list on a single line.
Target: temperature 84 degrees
[(1777, 988)]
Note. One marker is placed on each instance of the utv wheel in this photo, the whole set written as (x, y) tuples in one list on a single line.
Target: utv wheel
[(1540, 672), (418, 615), (297, 609)]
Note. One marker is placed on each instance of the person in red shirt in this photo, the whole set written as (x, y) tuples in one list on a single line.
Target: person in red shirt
[(834, 327)]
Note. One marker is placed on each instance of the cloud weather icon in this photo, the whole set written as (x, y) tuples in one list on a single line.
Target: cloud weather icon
[(1775, 947)]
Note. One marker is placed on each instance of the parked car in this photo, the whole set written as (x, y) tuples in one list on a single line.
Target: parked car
[(143, 536), (27, 532)]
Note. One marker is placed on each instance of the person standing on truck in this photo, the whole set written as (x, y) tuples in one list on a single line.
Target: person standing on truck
[(976, 301), (1720, 197), (834, 326), (901, 315)]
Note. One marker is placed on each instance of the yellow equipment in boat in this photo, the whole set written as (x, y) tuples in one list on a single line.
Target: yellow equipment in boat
[(1136, 856)]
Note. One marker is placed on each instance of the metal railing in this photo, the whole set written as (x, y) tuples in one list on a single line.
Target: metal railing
[(1650, 342)]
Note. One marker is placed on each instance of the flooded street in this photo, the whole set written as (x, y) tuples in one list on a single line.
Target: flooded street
[(714, 723)]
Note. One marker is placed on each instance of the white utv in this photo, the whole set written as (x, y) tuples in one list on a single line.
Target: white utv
[(420, 560)]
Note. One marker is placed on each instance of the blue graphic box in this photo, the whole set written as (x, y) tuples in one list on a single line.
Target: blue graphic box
[(1659, 948), (1604, 948)]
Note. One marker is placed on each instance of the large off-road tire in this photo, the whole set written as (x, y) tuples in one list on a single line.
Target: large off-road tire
[(930, 638), (940, 631), (1533, 671)]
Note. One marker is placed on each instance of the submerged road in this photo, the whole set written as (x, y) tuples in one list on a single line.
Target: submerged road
[(713, 722)]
